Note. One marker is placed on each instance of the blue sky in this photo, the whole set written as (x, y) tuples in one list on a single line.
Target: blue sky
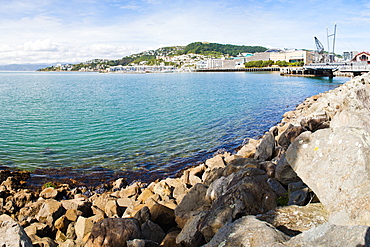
[(42, 31)]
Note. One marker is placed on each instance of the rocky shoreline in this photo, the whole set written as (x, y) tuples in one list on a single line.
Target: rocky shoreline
[(304, 183)]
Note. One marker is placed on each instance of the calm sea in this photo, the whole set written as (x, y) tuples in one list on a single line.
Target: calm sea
[(139, 122)]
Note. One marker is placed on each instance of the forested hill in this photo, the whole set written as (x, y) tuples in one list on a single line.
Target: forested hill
[(215, 48)]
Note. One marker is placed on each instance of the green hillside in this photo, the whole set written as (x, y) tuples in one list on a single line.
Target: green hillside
[(201, 48), (220, 49)]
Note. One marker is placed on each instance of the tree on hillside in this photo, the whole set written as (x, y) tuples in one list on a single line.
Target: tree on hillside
[(232, 50)]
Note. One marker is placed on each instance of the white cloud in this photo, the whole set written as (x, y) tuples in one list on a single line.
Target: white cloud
[(75, 31), (40, 45), (132, 7)]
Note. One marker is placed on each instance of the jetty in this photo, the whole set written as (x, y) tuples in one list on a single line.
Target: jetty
[(327, 69), (238, 69)]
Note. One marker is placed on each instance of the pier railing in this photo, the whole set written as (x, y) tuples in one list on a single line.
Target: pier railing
[(342, 67)]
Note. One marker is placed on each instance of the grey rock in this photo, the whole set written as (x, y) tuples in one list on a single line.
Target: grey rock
[(49, 193), (250, 195), (289, 135), (29, 211), (248, 231), (266, 147), (334, 163), (296, 219), (249, 149), (113, 232), (217, 188), (13, 235), (221, 185), (211, 175), (152, 232), (45, 242), (269, 167), (80, 204), (315, 123), (39, 229), (332, 235), (50, 211), (170, 239), (240, 163), (356, 119), (141, 243), (215, 162), (190, 236), (143, 215), (194, 201), (277, 187), (163, 216), (298, 193), (284, 172), (83, 227)]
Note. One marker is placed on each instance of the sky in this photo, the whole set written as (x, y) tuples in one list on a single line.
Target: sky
[(71, 31)]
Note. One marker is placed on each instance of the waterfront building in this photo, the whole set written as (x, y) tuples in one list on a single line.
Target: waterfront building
[(141, 69), (362, 57), (349, 55), (290, 56)]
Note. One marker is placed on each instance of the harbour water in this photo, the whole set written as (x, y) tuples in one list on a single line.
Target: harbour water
[(149, 123)]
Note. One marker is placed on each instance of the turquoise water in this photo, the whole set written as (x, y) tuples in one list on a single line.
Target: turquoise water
[(146, 122)]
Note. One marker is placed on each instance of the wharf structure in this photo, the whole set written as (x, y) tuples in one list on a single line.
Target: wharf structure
[(358, 65), (237, 63), (142, 69)]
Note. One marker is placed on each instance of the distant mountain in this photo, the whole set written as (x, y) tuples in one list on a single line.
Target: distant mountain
[(22, 67)]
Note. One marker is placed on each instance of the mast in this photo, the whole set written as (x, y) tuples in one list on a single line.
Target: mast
[(331, 55), (335, 31), (327, 39)]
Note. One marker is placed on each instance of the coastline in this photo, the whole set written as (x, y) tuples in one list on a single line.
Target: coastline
[(197, 204)]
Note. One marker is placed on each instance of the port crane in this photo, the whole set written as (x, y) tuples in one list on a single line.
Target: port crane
[(319, 55)]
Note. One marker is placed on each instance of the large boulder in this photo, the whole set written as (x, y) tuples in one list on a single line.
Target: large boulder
[(152, 231), (50, 211), (163, 216), (190, 236), (284, 172), (248, 150), (356, 119), (266, 147), (170, 239), (80, 204), (248, 231), (13, 235), (29, 211), (248, 193), (295, 219), (335, 164), (113, 232), (83, 227), (193, 202), (332, 235)]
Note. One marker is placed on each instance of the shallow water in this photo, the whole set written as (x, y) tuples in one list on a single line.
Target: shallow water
[(143, 122)]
